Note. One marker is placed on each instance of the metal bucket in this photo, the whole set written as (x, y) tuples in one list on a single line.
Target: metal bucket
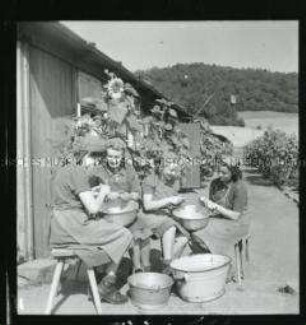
[(150, 290), (201, 277)]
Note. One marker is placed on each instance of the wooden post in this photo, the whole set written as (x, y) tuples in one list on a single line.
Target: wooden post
[(78, 112), (24, 175)]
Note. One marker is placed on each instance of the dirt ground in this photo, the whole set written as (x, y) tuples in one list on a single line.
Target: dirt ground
[(274, 251)]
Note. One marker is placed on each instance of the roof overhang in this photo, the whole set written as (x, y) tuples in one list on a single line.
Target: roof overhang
[(59, 40)]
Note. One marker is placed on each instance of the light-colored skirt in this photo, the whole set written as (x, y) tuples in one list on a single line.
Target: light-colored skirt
[(156, 224), (94, 241), (221, 233)]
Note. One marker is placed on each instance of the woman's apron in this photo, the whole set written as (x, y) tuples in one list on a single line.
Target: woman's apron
[(159, 221), (221, 233), (94, 241)]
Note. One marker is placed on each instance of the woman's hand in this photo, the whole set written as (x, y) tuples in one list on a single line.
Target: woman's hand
[(176, 200), (113, 195), (208, 203), (204, 200), (125, 196), (93, 199), (95, 190), (129, 196), (104, 189), (212, 206)]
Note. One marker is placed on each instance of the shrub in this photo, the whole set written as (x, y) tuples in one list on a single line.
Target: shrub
[(275, 154)]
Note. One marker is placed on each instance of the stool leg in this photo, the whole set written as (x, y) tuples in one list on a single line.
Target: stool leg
[(238, 264), (247, 252), (94, 289), (241, 248), (54, 285)]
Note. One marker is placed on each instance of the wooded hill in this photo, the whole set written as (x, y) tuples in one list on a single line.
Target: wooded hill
[(217, 93)]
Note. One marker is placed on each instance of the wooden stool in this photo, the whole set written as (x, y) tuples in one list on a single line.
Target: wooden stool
[(241, 247), (61, 255)]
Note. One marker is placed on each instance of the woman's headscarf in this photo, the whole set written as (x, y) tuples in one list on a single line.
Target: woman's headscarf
[(116, 144), (88, 144)]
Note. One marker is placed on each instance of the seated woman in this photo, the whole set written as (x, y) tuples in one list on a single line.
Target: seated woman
[(96, 242), (160, 195), (228, 199), (124, 195), (121, 178)]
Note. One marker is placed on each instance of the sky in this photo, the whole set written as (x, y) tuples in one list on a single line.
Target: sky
[(270, 45)]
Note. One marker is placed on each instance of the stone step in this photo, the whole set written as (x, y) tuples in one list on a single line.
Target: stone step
[(36, 272)]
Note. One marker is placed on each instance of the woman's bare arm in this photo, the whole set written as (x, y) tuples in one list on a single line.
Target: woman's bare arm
[(234, 215), (150, 204), (128, 196), (219, 209)]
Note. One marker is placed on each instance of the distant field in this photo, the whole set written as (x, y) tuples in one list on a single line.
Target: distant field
[(240, 136), (287, 122)]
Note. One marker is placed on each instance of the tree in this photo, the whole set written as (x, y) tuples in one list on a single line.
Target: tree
[(255, 89)]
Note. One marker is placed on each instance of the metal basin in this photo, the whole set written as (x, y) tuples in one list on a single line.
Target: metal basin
[(124, 216), (124, 219), (201, 277), (150, 290), (192, 216)]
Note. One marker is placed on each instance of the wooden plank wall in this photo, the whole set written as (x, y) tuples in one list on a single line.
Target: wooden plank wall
[(52, 99), (192, 177)]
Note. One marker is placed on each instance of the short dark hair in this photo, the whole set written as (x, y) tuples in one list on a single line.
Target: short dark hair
[(161, 162), (235, 171)]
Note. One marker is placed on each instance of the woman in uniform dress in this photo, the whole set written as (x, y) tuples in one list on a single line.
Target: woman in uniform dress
[(97, 242), (160, 196), (230, 221)]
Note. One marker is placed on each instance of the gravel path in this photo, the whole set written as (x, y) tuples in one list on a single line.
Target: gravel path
[(274, 251)]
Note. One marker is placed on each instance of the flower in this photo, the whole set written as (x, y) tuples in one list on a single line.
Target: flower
[(115, 88)]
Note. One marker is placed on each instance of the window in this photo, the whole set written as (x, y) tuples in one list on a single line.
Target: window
[(88, 86)]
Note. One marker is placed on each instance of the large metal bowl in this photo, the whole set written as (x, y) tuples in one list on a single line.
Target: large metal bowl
[(124, 216), (150, 290), (192, 216), (124, 219)]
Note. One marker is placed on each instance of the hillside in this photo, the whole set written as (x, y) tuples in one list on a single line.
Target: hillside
[(207, 89)]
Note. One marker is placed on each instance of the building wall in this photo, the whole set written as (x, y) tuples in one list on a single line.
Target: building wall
[(52, 95), (48, 91)]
